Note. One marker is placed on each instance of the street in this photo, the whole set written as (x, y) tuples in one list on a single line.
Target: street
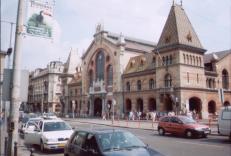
[(167, 145)]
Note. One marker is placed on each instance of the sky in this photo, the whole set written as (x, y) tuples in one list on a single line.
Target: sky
[(75, 22)]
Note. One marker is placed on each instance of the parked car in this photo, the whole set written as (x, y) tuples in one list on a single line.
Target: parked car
[(182, 125), (50, 115), (49, 134), (224, 121), (106, 142)]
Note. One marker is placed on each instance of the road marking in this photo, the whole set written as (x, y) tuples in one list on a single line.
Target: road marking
[(184, 142)]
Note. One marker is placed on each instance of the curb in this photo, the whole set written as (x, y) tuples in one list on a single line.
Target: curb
[(147, 129)]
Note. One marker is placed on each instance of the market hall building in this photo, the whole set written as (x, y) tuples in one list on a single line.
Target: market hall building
[(173, 75)]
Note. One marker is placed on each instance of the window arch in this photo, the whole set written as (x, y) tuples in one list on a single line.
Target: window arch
[(225, 79), (168, 81), (194, 60), (167, 60), (91, 78), (151, 84), (100, 61), (170, 59), (184, 58), (197, 61), (139, 85), (191, 59), (128, 86), (187, 59), (110, 75), (163, 61)]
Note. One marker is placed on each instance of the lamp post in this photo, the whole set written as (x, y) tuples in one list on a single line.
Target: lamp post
[(113, 105), (73, 108)]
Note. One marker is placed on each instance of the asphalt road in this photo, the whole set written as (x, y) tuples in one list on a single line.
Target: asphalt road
[(167, 145)]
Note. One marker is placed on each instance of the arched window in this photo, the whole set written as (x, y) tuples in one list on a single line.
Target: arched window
[(187, 59), (100, 61), (139, 85), (151, 84), (167, 61), (90, 78), (170, 59), (190, 59), (184, 58), (128, 86), (109, 75), (225, 79), (194, 60), (197, 61), (163, 61), (168, 81)]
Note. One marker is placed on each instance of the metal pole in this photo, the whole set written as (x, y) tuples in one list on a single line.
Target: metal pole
[(15, 99), (15, 149), (42, 107)]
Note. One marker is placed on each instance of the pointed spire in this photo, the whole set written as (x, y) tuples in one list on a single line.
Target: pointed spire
[(178, 30), (181, 3)]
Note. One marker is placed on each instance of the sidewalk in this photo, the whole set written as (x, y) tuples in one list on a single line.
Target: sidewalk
[(142, 124)]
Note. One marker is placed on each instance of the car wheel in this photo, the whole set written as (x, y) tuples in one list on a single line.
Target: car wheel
[(189, 134), (161, 131)]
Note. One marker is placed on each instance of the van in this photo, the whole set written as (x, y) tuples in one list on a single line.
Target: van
[(224, 121)]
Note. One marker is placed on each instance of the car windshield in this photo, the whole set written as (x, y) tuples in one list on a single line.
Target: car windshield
[(119, 141), (56, 126), (187, 120)]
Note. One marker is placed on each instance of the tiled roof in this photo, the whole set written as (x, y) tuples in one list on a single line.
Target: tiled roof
[(178, 30), (132, 43), (140, 63), (216, 55)]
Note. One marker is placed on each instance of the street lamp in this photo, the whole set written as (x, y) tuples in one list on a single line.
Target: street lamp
[(113, 105), (73, 108)]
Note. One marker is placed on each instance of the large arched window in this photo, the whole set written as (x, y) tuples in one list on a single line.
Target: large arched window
[(151, 84), (100, 61), (225, 79), (128, 86), (139, 85), (91, 78), (109, 75), (168, 81)]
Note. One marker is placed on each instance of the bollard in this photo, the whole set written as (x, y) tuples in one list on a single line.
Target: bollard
[(5, 146), (15, 149), (31, 152)]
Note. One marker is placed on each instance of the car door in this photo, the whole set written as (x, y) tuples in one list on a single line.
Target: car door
[(177, 126), (33, 137), (75, 147)]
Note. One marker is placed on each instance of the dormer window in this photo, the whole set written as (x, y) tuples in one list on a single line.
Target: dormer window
[(167, 39), (189, 37)]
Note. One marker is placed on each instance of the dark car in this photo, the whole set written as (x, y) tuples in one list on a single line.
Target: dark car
[(107, 142), (182, 125)]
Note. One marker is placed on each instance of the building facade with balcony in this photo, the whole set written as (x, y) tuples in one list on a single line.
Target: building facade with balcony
[(45, 88)]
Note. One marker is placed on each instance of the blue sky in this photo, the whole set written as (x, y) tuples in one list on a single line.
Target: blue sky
[(76, 20)]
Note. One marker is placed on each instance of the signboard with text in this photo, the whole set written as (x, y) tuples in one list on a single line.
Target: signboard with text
[(40, 18)]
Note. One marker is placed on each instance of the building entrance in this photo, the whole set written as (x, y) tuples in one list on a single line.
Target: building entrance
[(98, 107)]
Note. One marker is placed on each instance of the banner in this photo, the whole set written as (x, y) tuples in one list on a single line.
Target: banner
[(40, 18)]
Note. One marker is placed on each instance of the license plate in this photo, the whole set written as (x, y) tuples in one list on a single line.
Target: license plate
[(61, 145), (206, 132)]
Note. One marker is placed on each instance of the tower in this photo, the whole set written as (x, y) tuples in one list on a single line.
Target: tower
[(180, 61)]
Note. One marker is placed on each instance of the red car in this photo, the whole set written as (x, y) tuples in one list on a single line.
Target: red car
[(182, 125)]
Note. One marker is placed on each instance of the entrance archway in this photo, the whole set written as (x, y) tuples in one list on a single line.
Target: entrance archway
[(98, 107), (139, 105), (212, 107), (168, 103), (226, 103), (195, 104), (152, 104), (128, 107)]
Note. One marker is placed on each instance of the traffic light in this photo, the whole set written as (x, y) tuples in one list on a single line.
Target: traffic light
[(9, 51)]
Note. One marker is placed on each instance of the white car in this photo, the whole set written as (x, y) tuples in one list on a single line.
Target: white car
[(49, 134)]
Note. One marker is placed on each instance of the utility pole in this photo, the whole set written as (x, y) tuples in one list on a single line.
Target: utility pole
[(15, 96)]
